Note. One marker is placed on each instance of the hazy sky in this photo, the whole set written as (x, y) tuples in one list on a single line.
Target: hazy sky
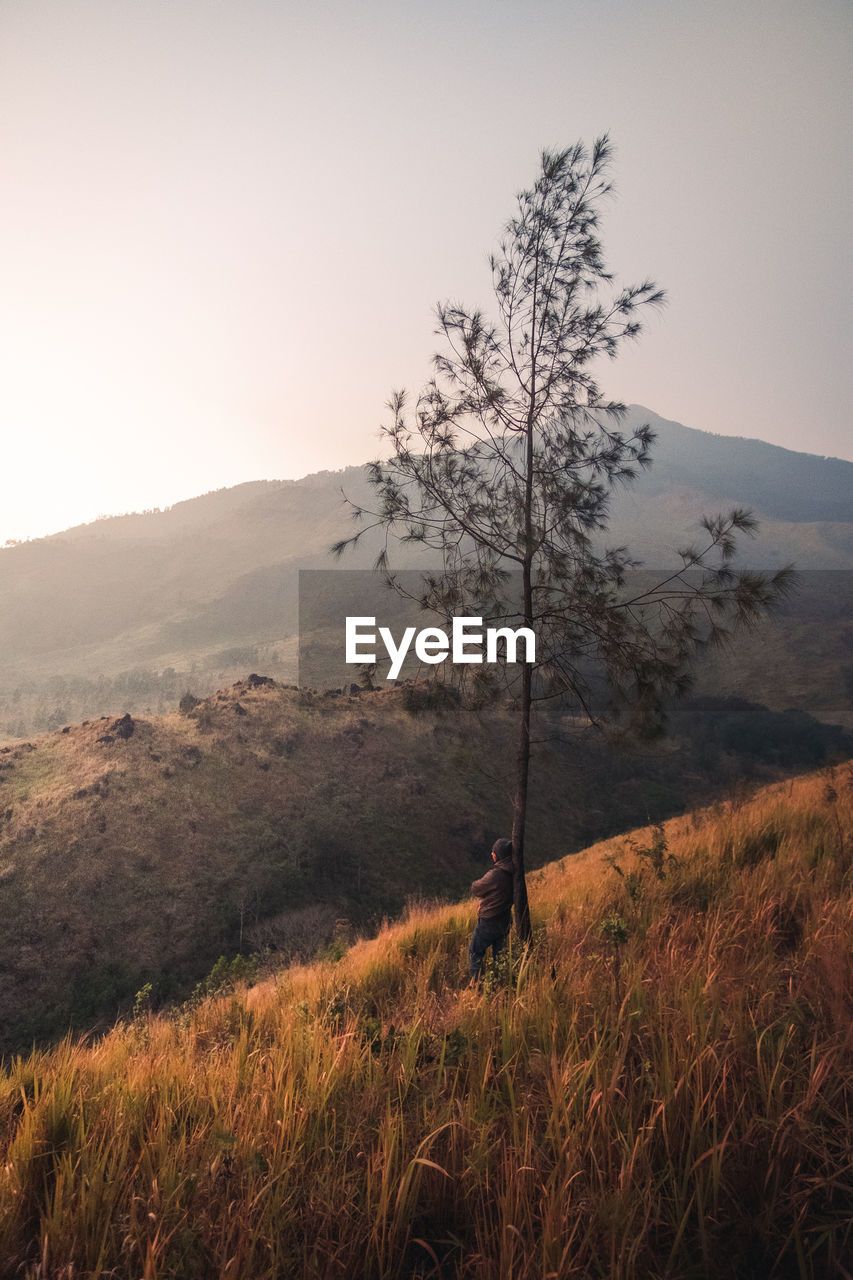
[(224, 223)]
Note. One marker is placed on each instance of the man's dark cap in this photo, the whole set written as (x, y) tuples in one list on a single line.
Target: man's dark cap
[(502, 849)]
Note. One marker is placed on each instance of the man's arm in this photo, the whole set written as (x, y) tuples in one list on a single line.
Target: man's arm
[(482, 886)]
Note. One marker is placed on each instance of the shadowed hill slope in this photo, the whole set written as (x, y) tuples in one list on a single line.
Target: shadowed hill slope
[(133, 850)]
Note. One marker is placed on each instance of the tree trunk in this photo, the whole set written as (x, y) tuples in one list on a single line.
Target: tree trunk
[(519, 816)]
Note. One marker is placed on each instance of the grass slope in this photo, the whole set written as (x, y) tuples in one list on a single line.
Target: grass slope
[(272, 819), (661, 1087)]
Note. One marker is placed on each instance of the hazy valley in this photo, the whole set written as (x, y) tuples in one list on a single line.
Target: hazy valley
[(128, 613)]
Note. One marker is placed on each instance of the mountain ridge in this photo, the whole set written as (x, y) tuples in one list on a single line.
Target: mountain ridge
[(315, 479)]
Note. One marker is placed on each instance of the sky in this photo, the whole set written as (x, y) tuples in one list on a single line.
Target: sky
[(225, 224)]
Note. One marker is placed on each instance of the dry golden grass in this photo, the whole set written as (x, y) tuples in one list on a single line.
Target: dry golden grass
[(660, 1087)]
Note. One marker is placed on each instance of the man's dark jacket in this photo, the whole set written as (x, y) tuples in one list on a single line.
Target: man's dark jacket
[(494, 890)]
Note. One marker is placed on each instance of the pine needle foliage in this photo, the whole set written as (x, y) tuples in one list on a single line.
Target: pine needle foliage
[(507, 465)]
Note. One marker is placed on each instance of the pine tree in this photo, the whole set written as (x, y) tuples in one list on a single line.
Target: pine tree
[(507, 466)]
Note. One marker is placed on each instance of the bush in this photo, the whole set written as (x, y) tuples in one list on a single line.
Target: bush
[(226, 975)]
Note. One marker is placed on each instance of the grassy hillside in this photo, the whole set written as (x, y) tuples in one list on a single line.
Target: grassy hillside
[(254, 822), (138, 851), (661, 1087)]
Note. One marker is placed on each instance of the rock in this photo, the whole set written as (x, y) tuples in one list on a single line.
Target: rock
[(124, 727), (256, 682)]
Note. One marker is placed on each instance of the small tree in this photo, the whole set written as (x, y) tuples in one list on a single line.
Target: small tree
[(509, 463)]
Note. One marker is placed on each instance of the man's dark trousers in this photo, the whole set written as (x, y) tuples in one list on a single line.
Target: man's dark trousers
[(492, 933)]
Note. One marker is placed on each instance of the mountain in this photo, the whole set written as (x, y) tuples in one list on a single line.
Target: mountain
[(779, 484), (128, 612), (804, 503)]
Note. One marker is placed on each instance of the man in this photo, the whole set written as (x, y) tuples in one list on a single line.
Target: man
[(494, 890)]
